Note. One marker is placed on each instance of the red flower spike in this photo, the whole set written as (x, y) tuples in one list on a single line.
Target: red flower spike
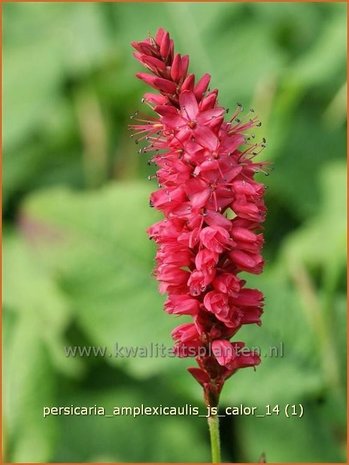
[(205, 171)]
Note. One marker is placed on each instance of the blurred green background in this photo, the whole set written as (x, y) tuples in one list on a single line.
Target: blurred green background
[(77, 262)]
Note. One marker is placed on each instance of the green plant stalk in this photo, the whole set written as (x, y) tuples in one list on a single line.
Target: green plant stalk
[(213, 425)]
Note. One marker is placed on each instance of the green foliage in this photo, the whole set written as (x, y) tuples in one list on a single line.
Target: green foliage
[(77, 261)]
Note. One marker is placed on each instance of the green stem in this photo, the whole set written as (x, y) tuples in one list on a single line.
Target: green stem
[(213, 425)]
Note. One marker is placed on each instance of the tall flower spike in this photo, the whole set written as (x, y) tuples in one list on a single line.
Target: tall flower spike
[(213, 210)]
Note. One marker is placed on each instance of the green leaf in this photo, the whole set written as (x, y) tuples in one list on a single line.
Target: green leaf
[(29, 386), (30, 291), (326, 57), (104, 260), (327, 228), (42, 36)]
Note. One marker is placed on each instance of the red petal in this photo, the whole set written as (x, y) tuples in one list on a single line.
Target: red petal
[(143, 47), (209, 115), (153, 63), (166, 110), (159, 35), (156, 99), (223, 351), (165, 44), (171, 53), (199, 199), (188, 104), (189, 82), (185, 65), (164, 85), (205, 137), (174, 122), (147, 78), (202, 86), (209, 101), (176, 67)]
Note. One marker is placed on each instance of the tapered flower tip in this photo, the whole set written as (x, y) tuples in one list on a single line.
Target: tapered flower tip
[(159, 35), (202, 86), (143, 47), (189, 82), (155, 99), (164, 85), (165, 44)]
